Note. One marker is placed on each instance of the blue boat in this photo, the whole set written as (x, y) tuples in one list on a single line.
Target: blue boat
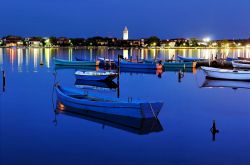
[(75, 63), (116, 106), (96, 75), (139, 65), (189, 59), (128, 124), (229, 59)]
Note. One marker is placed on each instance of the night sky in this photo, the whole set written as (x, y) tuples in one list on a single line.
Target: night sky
[(164, 18)]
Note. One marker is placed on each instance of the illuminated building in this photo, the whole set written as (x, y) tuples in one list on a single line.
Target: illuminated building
[(125, 33)]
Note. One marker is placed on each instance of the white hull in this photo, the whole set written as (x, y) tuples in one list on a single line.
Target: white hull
[(226, 74), (241, 64)]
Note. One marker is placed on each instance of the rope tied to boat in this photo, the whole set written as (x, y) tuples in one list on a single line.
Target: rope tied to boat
[(152, 110)]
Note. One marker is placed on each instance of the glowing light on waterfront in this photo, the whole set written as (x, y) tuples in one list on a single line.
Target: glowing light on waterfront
[(125, 33), (171, 54), (47, 57), (247, 53), (19, 59), (142, 53), (90, 54), (35, 59), (207, 39), (70, 54), (1, 56), (125, 53), (153, 53)]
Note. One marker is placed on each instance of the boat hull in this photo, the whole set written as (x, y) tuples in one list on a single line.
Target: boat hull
[(133, 125), (189, 59), (75, 63), (134, 65), (96, 78), (179, 64), (226, 74), (237, 64), (116, 107)]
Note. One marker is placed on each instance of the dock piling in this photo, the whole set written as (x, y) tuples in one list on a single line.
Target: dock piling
[(4, 79)]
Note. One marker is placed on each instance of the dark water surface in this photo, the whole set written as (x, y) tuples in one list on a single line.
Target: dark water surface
[(32, 133)]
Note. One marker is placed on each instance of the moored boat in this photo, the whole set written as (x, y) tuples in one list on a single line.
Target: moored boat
[(75, 63), (109, 105), (140, 65), (179, 64), (129, 124), (229, 59), (96, 75), (228, 74), (189, 59), (241, 64)]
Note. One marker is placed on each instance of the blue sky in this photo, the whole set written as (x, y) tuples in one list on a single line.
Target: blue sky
[(164, 18)]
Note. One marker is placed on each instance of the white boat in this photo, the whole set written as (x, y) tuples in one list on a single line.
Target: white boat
[(241, 64), (228, 74), (95, 75)]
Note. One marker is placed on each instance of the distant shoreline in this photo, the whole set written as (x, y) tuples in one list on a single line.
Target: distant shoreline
[(121, 48)]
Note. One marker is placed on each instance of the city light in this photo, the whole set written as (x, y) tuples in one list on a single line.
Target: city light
[(207, 39)]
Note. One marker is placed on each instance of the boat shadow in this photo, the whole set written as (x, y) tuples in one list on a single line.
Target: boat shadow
[(128, 124), (219, 83), (79, 83)]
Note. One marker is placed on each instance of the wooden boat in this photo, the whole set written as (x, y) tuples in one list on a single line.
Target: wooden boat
[(96, 75), (128, 124), (211, 83), (241, 64), (179, 64), (109, 105), (228, 74), (139, 65), (189, 59), (95, 84), (75, 63)]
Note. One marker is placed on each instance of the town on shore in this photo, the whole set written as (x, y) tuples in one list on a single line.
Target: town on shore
[(151, 42), (125, 42)]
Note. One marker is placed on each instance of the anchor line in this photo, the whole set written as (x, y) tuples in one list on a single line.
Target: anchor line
[(152, 110)]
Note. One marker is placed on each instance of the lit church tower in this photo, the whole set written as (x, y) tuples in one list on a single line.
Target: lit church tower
[(125, 33)]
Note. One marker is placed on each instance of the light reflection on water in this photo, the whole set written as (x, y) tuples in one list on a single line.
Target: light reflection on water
[(38, 55)]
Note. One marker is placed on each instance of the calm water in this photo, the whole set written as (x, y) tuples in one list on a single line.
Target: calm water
[(32, 133)]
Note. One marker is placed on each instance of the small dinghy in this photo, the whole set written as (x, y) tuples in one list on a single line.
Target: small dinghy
[(241, 64), (133, 125), (179, 64), (109, 105), (189, 59), (75, 63), (140, 65), (95, 75), (228, 74)]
